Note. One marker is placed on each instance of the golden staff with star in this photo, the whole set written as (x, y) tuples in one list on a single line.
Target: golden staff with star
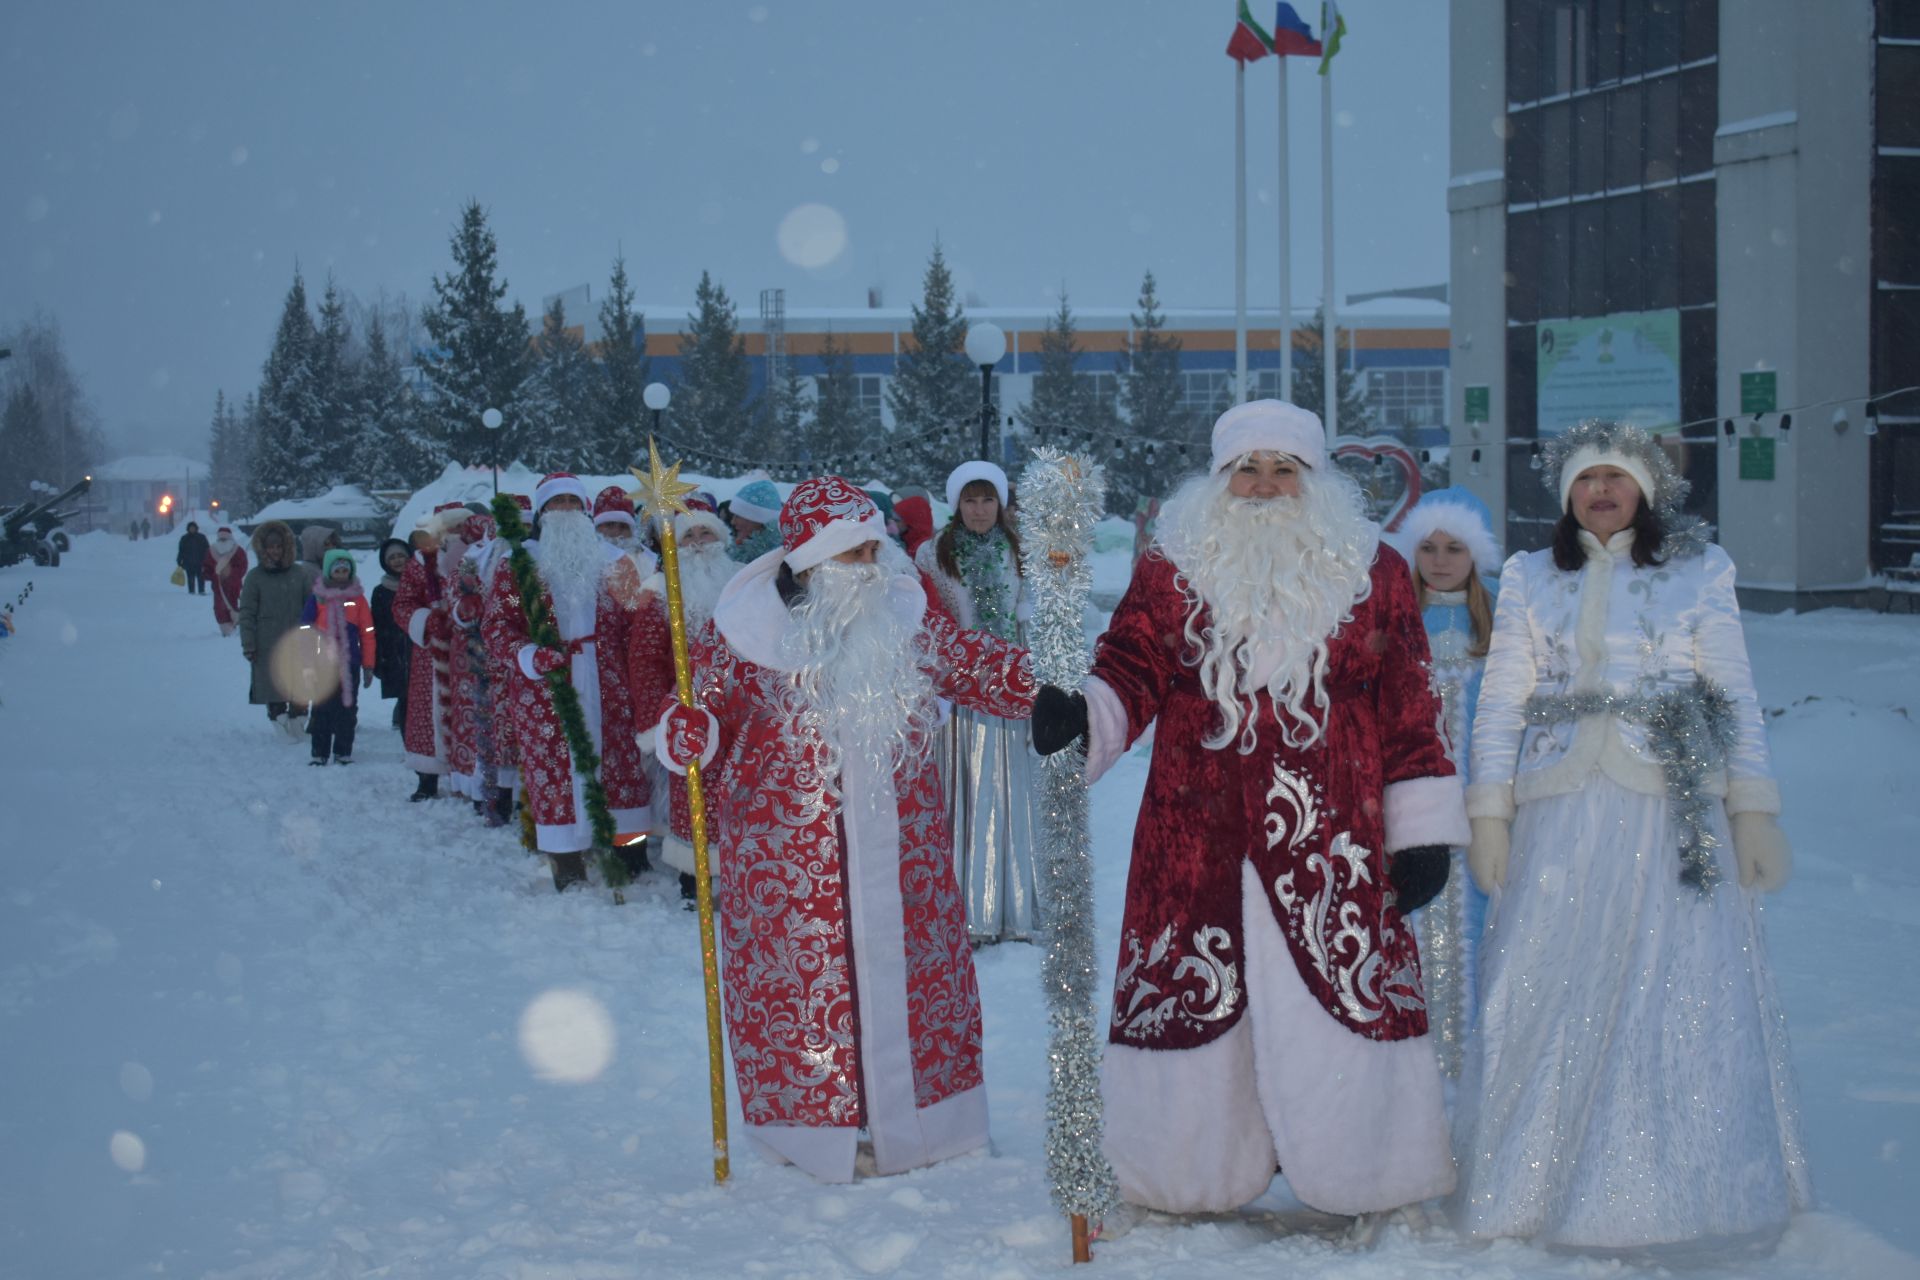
[(660, 496)]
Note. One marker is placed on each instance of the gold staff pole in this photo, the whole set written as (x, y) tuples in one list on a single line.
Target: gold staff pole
[(659, 495)]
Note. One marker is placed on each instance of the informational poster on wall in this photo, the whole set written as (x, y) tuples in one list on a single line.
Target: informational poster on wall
[(1624, 368)]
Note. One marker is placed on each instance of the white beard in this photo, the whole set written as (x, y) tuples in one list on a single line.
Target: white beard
[(1277, 578), (705, 569), (859, 668), (572, 558)]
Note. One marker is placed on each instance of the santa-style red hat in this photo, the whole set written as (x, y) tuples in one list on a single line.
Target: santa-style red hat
[(476, 529), (225, 528), (556, 483), (613, 506), (823, 517), (1271, 425)]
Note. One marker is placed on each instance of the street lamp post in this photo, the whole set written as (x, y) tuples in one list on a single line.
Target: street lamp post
[(656, 397), (491, 420), (986, 344)]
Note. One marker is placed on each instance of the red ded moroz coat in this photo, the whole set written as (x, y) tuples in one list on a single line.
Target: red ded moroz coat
[(849, 984), (422, 610)]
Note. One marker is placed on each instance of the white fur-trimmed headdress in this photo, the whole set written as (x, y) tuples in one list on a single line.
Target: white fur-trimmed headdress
[(1272, 425), (1457, 512), (967, 472), (1596, 443)]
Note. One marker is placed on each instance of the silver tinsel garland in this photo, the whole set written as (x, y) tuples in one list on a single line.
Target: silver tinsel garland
[(1060, 503), (1689, 731)]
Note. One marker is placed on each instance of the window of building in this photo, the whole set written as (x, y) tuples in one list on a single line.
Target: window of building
[(1556, 150), (1633, 38), (1606, 41), (1587, 242), (1625, 145), (1589, 144), (1896, 96), (1896, 219), (1523, 267), (1203, 391), (1523, 393), (872, 391), (1660, 248), (1899, 19), (1104, 388), (1624, 287), (1661, 162), (1663, 34), (1401, 399), (1698, 245), (1523, 50), (1699, 117), (1556, 263), (1699, 30), (1523, 156)]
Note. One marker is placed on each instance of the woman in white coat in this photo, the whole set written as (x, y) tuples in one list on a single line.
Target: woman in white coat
[(1628, 1087), (987, 765)]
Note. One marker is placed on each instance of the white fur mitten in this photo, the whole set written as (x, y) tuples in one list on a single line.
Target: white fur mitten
[(1760, 847), (1487, 855)]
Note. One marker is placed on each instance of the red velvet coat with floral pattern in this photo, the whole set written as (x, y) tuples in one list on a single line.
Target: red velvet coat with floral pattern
[(545, 759), (1313, 823), (421, 609), (791, 961)]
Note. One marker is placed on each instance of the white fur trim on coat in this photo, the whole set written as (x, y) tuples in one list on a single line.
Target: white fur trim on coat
[(967, 472), (833, 537), (1431, 516), (1426, 811), (1273, 425), (1106, 728)]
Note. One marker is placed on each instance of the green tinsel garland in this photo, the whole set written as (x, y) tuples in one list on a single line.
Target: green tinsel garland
[(566, 701)]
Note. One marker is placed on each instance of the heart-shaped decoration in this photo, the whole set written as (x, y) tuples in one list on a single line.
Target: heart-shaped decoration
[(1387, 472)]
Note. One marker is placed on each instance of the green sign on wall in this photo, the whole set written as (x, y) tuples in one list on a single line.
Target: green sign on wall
[(1479, 404), (1757, 393), (1756, 456)]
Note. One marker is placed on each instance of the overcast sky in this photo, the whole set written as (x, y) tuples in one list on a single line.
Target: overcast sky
[(167, 165)]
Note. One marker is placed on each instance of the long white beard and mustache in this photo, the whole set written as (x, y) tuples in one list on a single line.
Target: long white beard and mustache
[(573, 557), (705, 568), (860, 668), (1277, 579)]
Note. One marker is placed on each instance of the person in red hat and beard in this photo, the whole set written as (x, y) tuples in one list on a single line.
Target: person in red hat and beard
[(819, 679), (423, 608), (593, 593)]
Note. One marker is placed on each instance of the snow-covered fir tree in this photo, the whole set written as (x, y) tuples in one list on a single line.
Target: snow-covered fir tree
[(556, 404), (1149, 397), (478, 357), (397, 449), (620, 420), (1061, 410), (335, 378), (1308, 382), (67, 417), (228, 446), (26, 447), (286, 450), (840, 425), (934, 393), (710, 408)]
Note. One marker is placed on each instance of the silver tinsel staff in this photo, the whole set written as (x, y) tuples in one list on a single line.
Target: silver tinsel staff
[(1060, 502)]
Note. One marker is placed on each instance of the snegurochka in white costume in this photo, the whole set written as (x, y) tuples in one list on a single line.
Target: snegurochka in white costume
[(974, 563), (1628, 1088)]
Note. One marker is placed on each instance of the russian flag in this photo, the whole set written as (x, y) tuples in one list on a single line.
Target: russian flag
[(1292, 38)]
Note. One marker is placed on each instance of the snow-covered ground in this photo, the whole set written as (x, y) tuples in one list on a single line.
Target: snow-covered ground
[(259, 1020)]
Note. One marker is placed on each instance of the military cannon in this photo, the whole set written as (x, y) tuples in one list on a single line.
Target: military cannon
[(30, 531)]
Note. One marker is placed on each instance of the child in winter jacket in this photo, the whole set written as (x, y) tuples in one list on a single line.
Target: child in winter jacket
[(339, 612)]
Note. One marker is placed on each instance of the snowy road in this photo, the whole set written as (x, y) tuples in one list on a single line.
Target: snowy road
[(258, 1020)]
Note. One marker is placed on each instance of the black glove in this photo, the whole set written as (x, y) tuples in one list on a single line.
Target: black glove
[(1059, 719), (1418, 875)]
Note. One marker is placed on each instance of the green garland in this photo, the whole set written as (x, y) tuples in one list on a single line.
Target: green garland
[(566, 700), (982, 560)]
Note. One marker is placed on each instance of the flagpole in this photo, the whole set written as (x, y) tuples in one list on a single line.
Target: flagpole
[(1239, 232), (1329, 369), (1286, 240)]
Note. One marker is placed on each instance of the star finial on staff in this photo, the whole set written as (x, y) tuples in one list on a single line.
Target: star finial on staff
[(661, 488)]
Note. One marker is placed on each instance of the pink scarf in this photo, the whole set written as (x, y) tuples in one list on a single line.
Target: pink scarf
[(333, 608)]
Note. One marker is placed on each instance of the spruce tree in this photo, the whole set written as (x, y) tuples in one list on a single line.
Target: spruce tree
[(1061, 410), (934, 392), (1308, 383), (395, 451), (334, 377), (26, 446), (478, 359), (71, 426), (1150, 394), (227, 454), (286, 454), (840, 426), (556, 405), (710, 407), (620, 419)]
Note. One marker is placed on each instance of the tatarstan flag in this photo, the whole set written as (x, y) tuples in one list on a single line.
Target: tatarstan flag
[(1332, 27), (1249, 42)]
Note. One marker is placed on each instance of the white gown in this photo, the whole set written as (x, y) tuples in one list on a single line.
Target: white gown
[(986, 765), (1628, 1086)]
